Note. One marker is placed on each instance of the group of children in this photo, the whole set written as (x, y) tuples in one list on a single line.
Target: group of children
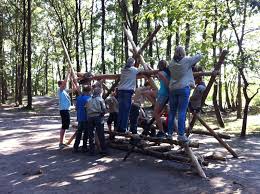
[(175, 79)]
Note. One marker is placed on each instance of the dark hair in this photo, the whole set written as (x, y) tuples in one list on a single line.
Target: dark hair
[(86, 89), (60, 82), (163, 66)]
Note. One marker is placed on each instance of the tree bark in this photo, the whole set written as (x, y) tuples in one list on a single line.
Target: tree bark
[(239, 97), (103, 64), (21, 81), (91, 34), (169, 37), (216, 107), (135, 25), (77, 36), (187, 39), (226, 88), (2, 58), (29, 75), (83, 38), (46, 70)]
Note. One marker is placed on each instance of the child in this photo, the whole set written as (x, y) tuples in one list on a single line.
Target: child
[(112, 107), (195, 99), (95, 110), (81, 100)]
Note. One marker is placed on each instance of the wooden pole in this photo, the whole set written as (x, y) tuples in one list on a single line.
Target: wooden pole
[(224, 144), (194, 161)]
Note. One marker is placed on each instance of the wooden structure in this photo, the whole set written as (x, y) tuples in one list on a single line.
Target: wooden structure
[(140, 143)]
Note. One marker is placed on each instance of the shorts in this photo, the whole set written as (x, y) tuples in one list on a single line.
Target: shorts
[(65, 119), (112, 118), (162, 100)]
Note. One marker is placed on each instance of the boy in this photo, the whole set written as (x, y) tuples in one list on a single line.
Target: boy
[(95, 110), (81, 100), (64, 107), (112, 107)]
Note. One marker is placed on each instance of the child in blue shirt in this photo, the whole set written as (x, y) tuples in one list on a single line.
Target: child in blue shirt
[(81, 100)]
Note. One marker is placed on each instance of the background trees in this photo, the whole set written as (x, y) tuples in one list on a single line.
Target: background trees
[(32, 59)]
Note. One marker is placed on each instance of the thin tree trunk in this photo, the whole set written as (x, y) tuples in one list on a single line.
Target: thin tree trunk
[(91, 34), (187, 39), (226, 88), (83, 38), (169, 37), (177, 34), (134, 28), (29, 75), (215, 92), (216, 107), (2, 58), (220, 75), (103, 64), (21, 81), (150, 47), (239, 97), (77, 36), (46, 70)]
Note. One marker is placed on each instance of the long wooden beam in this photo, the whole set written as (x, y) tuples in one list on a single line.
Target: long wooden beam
[(223, 143), (140, 76)]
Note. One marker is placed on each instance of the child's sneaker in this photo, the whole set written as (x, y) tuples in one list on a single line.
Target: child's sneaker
[(168, 136), (183, 139)]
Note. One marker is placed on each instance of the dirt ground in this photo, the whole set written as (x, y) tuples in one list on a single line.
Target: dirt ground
[(30, 162)]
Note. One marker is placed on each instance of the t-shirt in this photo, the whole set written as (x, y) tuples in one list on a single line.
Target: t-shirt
[(195, 99), (80, 107), (64, 100), (95, 106), (128, 78), (138, 97), (112, 104), (164, 89), (181, 72)]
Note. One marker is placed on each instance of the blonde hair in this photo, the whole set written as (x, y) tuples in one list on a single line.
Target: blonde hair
[(179, 53)]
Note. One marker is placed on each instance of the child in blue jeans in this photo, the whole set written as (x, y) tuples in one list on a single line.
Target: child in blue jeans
[(96, 109)]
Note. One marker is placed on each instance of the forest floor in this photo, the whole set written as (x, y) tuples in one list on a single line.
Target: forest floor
[(30, 161)]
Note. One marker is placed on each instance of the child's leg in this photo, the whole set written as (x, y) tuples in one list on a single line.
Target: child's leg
[(85, 136), (100, 132), (91, 135), (78, 135), (134, 113)]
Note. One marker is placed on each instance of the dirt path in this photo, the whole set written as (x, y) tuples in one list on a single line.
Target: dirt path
[(31, 163)]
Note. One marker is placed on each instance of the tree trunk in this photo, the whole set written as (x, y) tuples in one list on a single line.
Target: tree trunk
[(29, 76), (83, 38), (220, 75), (239, 97), (177, 34), (150, 47), (91, 34), (103, 64), (187, 39), (77, 36), (215, 92), (216, 107), (21, 81), (2, 58), (46, 70), (135, 25), (169, 37), (244, 124), (226, 88)]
